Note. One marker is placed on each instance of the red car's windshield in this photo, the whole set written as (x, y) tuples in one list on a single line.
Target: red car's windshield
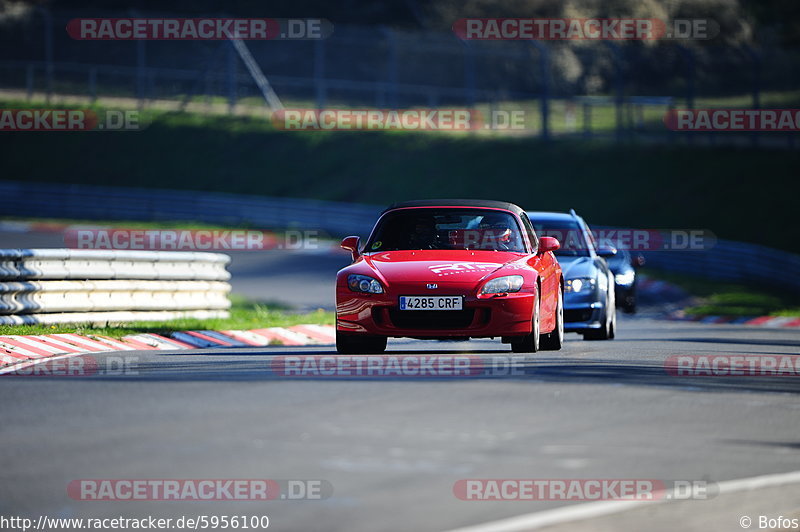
[(439, 228)]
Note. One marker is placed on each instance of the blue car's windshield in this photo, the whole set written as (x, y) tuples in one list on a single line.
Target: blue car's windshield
[(568, 233), (620, 259), (447, 228)]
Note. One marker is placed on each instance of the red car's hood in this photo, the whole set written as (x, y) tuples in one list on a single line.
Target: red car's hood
[(461, 266)]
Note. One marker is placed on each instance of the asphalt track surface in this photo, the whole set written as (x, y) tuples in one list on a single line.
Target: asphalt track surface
[(393, 448)]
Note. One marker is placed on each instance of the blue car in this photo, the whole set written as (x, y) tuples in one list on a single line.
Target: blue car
[(589, 300)]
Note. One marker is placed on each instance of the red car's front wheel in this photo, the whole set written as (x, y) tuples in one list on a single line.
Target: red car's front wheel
[(529, 343)]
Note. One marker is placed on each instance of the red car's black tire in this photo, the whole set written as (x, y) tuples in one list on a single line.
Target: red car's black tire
[(530, 342), (352, 344), (553, 341)]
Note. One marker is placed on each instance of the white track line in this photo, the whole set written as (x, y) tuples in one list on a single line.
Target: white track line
[(579, 512)]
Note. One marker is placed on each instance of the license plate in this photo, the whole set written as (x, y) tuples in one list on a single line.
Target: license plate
[(431, 303)]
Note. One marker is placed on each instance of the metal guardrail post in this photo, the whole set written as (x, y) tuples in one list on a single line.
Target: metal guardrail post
[(320, 88), (544, 99), (587, 120), (141, 66), (29, 81), (48, 51), (207, 88), (619, 86), (690, 72), (230, 55), (756, 83), (391, 66), (93, 84), (756, 87), (470, 81)]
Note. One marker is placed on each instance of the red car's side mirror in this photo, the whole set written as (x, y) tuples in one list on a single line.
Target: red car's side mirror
[(351, 244), (548, 243)]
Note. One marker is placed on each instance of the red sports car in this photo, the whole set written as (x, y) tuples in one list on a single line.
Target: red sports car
[(447, 269)]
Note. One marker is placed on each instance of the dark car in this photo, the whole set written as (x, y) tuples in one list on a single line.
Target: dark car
[(623, 265), (589, 299)]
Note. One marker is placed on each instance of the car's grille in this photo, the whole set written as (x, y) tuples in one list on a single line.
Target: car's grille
[(431, 319), (577, 315)]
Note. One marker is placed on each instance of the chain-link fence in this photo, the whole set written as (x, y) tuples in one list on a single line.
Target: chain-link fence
[(581, 88)]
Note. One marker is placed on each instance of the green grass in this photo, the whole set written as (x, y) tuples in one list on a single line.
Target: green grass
[(602, 119), (243, 315), (738, 193), (716, 298)]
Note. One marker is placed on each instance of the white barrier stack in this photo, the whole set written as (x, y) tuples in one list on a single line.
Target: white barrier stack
[(91, 286)]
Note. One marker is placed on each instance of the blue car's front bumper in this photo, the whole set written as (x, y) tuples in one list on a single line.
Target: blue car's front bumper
[(584, 311)]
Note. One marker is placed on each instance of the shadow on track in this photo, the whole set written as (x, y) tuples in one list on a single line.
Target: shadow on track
[(286, 365), (777, 444), (742, 341)]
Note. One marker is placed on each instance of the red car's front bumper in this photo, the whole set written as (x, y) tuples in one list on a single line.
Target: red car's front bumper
[(482, 316)]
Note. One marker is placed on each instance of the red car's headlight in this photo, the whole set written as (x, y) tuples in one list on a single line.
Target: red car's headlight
[(503, 285), (364, 283)]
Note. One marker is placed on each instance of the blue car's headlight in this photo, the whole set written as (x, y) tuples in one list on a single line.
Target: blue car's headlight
[(503, 285), (625, 278), (363, 283), (580, 284)]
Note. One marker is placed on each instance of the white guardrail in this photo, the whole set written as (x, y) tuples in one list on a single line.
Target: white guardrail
[(91, 286)]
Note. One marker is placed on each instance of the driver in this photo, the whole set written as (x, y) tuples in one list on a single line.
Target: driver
[(500, 235), (423, 233)]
